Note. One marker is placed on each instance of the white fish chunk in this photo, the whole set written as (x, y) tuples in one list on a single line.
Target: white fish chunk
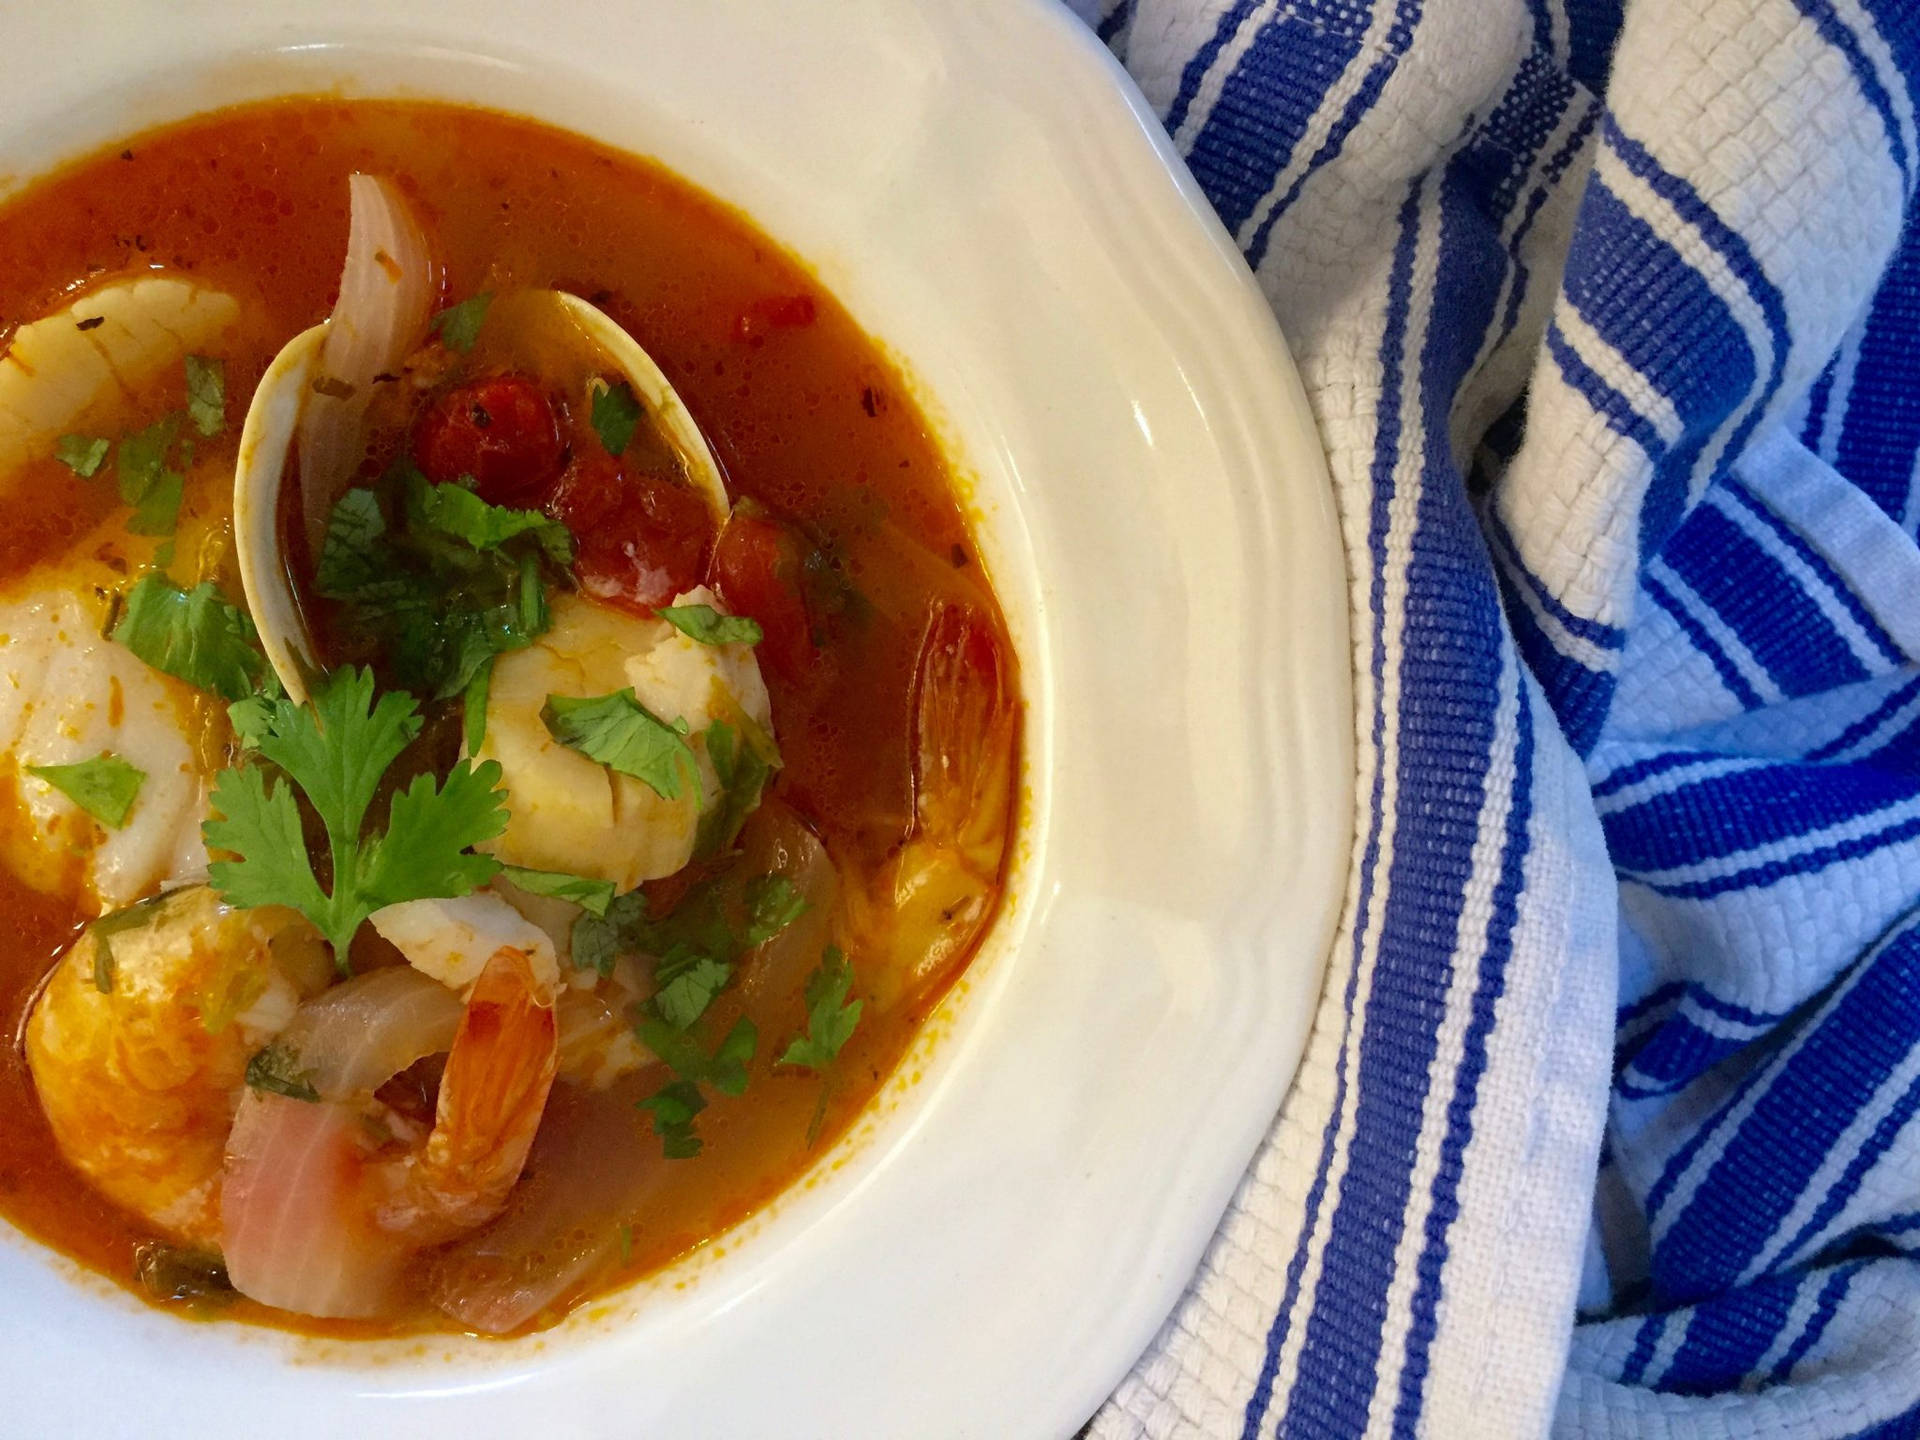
[(66, 695), (452, 940), (55, 375)]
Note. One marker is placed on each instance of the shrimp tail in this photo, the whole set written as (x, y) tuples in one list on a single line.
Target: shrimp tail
[(492, 1095), (963, 733)]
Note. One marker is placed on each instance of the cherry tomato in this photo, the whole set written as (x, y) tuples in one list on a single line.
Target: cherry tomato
[(501, 431), (756, 571), (639, 539)]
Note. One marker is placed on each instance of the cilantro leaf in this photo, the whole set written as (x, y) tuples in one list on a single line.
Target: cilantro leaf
[(336, 750), (277, 1071), (105, 786), (725, 1069), (622, 734), (473, 706), (710, 627), (593, 896), (207, 394), (743, 759), (457, 511), (158, 511), (455, 582), (82, 454), (423, 854), (773, 903), (107, 926), (458, 326), (674, 1105), (685, 998), (197, 635), (143, 458), (616, 414), (830, 1020)]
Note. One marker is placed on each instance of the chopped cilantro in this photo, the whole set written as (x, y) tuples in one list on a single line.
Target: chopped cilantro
[(674, 1105), (710, 627), (686, 994), (106, 927), (616, 413), (458, 326), (197, 635), (275, 1070), (773, 903), (593, 896), (158, 511), (82, 454), (207, 394), (455, 582), (743, 758), (622, 734), (174, 1275), (105, 786), (473, 706), (455, 510), (830, 1019), (336, 750), (724, 1070), (143, 458)]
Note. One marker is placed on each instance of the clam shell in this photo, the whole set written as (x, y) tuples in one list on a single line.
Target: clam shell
[(274, 417)]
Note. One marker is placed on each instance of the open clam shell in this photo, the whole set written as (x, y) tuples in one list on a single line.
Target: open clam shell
[(551, 319)]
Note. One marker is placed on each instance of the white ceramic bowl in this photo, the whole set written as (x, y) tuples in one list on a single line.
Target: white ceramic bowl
[(1006, 1229)]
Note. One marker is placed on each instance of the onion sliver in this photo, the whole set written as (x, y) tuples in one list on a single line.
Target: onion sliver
[(379, 319), (293, 1230), (366, 1030)]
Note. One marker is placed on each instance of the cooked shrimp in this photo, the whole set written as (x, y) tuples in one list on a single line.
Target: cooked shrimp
[(140, 1043), (325, 1199), (936, 892)]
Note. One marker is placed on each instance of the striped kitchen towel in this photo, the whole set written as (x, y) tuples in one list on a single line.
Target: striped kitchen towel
[(1610, 315)]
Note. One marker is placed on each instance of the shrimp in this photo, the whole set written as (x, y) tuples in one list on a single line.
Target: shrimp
[(326, 1199), (930, 901), (140, 1042)]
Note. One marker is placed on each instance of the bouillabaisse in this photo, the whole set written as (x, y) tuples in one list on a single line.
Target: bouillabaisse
[(616, 823)]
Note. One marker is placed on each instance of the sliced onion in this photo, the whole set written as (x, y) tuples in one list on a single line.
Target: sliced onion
[(293, 1226), (379, 319), (591, 1170), (364, 1031)]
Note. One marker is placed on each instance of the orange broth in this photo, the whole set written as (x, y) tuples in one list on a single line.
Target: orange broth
[(803, 411)]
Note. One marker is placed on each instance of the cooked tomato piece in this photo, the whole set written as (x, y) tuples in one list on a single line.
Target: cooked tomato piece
[(757, 570), (639, 538), (501, 431)]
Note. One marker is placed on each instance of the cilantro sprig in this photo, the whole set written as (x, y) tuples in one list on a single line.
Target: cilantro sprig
[(105, 786), (458, 326), (593, 896), (615, 414), (336, 751)]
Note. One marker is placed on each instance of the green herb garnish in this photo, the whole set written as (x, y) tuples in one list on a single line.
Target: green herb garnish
[(82, 454), (336, 750), (473, 706), (622, 734), (743, 757), (830, 1020), (616, 414), (158, 511), (106, 927), (276, 1071), (710, 627), (458, 326), (197, 635), (105, 786), (207, 394), (674, 1105), (593, 896)]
